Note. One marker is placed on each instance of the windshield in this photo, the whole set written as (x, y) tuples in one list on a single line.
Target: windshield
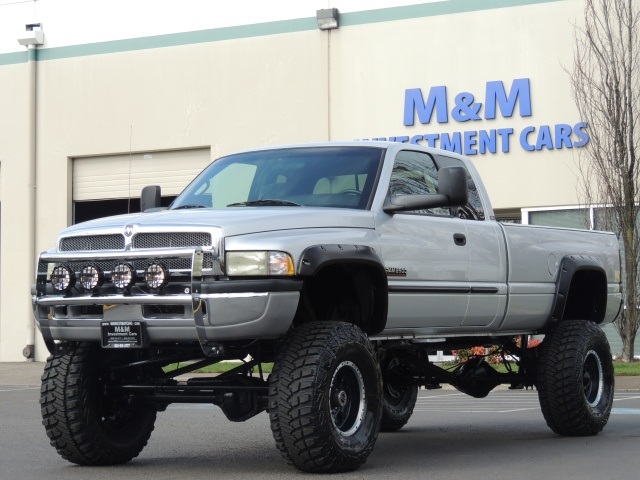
[(341, 177)]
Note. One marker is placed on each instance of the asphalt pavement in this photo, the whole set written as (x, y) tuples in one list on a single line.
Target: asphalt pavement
[(450, 436)]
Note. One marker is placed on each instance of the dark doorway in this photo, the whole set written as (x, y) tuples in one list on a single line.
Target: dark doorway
[(92, 209)]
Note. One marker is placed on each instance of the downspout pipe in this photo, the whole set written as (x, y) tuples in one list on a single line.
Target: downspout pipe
[(32, 82)]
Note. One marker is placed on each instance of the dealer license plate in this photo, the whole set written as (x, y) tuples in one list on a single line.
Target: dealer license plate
[(121, 334)]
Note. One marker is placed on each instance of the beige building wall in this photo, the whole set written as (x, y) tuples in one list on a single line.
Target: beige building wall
[(295, 86), (373, 64), (17, 229)]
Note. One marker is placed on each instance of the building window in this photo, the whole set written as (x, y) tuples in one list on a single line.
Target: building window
[(567, 218)]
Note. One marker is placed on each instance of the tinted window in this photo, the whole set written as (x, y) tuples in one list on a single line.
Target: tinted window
[(415, 173)]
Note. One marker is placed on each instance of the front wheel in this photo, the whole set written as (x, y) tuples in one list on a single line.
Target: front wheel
[(327, 401), (85, 424), (575, 379)]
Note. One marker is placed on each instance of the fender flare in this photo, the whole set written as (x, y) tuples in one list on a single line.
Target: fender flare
[(317, 257), (569, 266)]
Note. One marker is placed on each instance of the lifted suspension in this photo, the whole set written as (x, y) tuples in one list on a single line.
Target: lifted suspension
[(239, 394), (475, 377)]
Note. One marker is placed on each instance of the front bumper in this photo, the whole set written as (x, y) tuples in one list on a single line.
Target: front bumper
[(200, 309)]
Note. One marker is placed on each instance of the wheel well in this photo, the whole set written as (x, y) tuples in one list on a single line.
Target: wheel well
[(587, 296), (349, 292)]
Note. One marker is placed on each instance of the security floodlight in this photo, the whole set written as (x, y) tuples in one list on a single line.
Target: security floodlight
[(327, 18), (33, 35)]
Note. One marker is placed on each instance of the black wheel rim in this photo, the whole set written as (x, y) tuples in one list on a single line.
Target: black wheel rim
[(394, 391), (592, 378), (347, 398)]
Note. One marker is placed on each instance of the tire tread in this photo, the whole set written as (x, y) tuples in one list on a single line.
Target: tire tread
[(559, 379), (65, 395), (302, 366)]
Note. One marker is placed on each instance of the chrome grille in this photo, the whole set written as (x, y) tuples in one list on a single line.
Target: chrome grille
[(88, 243), (172, 240), (171, 264)]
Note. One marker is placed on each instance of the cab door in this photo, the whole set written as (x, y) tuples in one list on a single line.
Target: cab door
[(426, 254), (487, 256)]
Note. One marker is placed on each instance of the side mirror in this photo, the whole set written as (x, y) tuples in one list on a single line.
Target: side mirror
[(150, 198), (452, 182), (452, 192)]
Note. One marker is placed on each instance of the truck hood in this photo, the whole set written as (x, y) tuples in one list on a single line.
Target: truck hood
[(233, 221)]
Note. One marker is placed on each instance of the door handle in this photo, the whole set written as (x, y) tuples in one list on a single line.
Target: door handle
[(459, 239)]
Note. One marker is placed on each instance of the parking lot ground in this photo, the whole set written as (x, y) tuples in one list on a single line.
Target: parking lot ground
[(450, 436), (507, 402)]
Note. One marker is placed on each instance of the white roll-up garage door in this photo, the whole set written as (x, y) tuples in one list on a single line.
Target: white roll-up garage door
[(124, 176)]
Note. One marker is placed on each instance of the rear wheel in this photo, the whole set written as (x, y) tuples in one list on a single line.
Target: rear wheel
[(326, 407), (86, 425), (398, 399), (575, 379)]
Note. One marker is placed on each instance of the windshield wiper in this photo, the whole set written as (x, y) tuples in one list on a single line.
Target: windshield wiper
[(190, 205), (265, 203)]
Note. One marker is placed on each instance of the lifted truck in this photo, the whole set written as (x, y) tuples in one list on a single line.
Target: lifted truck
[(345, 264)]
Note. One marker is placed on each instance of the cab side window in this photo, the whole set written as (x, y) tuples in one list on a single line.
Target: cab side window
[(473, 210), (416, 173)]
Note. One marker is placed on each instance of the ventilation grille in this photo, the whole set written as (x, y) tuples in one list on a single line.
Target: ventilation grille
[(172, 240), (90, 243)]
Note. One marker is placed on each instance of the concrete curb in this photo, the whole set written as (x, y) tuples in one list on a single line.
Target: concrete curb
[(21, 374)]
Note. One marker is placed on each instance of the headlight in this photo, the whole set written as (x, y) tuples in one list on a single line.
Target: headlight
[(258, 263), (156, 275), (62, 278), (91, 277), (123, 276)]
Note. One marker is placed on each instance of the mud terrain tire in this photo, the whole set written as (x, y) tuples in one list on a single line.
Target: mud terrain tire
[(575, 379), (83, 424), (327, 402)]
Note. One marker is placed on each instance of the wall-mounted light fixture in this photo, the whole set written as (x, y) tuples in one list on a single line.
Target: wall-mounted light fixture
[(33, 35), (327, 18)]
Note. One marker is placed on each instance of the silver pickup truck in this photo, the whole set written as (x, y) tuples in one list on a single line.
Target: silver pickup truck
[(344, 264)]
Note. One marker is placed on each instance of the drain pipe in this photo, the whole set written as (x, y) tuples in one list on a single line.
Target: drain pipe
[(32, 37), (328, 19)]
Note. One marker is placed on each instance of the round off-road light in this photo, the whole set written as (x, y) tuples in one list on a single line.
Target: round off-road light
[(62, 278), (91, 277), (123, 276), (156, 275)]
